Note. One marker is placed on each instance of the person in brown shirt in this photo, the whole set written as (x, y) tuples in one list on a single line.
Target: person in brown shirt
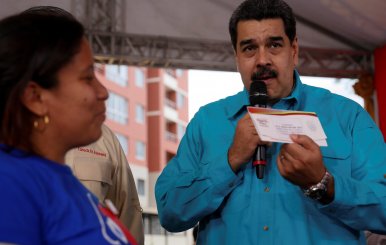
[(103, 168)]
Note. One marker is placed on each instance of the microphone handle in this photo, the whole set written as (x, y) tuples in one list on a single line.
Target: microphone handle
[(259, 161)]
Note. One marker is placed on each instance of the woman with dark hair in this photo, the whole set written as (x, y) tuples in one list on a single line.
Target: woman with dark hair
[(50, 102)]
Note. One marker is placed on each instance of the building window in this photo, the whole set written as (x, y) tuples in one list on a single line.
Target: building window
[(152, 225), (98, 67), (117, 108), (179, 72), (117, 74), (139, 114), (180, 100), (140, 150), (124, 141), (139, 78), (141, 187), (146, 223), (180, 131), (171, 72)]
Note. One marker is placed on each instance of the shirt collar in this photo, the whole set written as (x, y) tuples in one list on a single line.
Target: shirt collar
[(238, 102), (296, 91)]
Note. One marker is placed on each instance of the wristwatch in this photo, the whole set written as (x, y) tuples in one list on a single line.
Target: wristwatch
[(319, 190)]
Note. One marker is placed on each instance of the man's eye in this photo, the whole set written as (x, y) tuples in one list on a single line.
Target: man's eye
[(276, 45), (249, 48)]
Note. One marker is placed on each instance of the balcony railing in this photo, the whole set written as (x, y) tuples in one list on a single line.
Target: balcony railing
[(170, 103)]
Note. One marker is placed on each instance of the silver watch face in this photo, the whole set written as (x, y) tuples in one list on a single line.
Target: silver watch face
[(316, 192), (319, 190)]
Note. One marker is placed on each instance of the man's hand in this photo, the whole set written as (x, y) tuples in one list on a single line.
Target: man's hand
[(244, 143), (301, 162)]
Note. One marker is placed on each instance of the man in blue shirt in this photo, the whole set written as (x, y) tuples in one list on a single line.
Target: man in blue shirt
[(310, 194)]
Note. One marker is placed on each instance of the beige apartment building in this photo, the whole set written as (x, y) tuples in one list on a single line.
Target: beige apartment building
[(148, 110)]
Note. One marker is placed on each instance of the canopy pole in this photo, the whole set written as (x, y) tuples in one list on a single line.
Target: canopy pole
[(380, 85)]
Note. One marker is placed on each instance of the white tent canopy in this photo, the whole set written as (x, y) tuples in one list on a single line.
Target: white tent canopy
[(194, 34), (361, 22)]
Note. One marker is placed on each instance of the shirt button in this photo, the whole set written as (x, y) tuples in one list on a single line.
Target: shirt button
[(266, 228), (266, 189)]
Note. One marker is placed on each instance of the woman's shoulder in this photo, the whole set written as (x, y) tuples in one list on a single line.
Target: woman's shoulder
[(27, 170)]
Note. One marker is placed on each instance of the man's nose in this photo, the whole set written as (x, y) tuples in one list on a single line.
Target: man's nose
[(262, 57)]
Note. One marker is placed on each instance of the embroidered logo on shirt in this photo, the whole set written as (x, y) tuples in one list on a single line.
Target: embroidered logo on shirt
[(92, 151)]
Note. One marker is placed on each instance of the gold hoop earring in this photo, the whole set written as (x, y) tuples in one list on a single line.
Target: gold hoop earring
[(41, 127), (46, 119)]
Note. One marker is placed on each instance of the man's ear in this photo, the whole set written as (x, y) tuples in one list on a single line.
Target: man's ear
[(295, 51), (236, 60), (32, 98)]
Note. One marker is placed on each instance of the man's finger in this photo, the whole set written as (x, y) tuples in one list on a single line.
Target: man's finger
[(304, 141)]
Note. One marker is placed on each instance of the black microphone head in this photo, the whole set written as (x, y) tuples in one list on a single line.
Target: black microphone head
[(258, 93)]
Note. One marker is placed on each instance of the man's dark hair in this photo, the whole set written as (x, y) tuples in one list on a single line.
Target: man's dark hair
[(48, 11), (34, 46), (260, 10)]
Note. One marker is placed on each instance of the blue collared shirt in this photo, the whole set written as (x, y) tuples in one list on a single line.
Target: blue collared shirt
[(198, 184)]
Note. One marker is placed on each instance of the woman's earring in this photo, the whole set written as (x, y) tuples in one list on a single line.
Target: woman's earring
[(46, 119)]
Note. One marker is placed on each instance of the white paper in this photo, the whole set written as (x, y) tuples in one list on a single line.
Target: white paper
[(277, 125)]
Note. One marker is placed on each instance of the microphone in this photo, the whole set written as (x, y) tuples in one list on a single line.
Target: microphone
[(258, 97)]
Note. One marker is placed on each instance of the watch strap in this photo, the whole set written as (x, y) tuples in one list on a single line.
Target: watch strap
[(318, 190)]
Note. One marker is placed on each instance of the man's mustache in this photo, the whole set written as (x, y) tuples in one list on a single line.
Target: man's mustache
[(263, 73)]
